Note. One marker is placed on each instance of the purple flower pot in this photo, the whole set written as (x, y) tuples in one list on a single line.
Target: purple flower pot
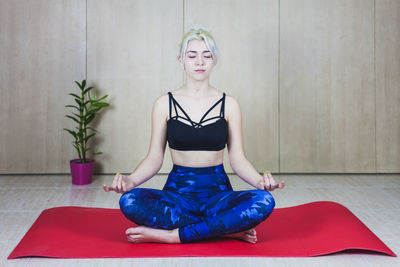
[(81, 172)]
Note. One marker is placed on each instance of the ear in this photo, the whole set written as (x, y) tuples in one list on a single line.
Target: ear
[(180, 61)]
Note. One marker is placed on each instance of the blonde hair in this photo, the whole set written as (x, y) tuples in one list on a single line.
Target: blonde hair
[(198, 33)]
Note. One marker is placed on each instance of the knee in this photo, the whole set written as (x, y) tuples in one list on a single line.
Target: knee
[(129, 200), (265, 201)]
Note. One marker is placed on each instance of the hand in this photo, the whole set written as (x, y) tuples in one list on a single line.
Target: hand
[(268, 183), (120, 184)]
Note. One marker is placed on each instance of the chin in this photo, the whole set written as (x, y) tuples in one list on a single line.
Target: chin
[(199, 77)]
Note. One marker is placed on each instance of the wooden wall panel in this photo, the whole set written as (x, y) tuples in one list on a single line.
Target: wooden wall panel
[(388, 85), (318, 81), (42, 51), (132, 50), (327, 86), (246, 34)]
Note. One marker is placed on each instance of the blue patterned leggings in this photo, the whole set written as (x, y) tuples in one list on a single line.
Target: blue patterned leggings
[(200, 202)]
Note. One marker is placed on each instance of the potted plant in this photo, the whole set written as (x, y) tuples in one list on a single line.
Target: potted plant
[(86, 108)]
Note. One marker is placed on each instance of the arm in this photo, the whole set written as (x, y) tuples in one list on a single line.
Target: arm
[(239, 163), (153, 161)]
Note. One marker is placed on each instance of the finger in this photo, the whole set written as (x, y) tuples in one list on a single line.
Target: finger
[(119, 188), (274, 185), (120, 183), (105, 188), (282, 184), (108, 188), (267, 178), (263, 184), (115, 181), (267, 184), (123, 184)]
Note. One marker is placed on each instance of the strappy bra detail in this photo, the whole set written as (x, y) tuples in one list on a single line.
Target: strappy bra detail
[(196, 135)]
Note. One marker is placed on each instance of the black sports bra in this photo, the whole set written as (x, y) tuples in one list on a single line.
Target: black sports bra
[(209, 137)]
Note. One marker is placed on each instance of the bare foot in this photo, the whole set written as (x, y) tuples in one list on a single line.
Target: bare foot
[(144, 234), (248, 235)]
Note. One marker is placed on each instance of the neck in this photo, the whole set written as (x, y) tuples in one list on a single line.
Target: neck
[(195, 87)]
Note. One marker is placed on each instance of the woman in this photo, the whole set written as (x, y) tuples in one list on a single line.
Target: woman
[(197, 200)]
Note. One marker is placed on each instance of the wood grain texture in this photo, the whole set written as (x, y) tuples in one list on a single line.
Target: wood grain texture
[(246, 34), (387, 36), (327, 91), (132, 52), (318, 81), (42, 51)]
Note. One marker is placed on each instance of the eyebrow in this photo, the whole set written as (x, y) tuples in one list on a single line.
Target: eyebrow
[(191, 51)]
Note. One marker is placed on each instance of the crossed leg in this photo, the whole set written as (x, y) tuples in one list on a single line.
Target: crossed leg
[(166, 217), (144, 234)]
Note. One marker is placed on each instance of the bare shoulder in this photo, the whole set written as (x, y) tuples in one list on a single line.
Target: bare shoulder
[(162, 100), (232, 107), (231, 101), (160, 106)]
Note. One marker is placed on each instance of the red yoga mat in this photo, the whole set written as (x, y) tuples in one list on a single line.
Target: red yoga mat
[(312, 229)]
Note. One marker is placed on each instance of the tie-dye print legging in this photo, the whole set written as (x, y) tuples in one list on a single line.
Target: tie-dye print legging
[(200, 202)]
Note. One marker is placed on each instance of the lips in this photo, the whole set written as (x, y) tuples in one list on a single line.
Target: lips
[(200, 70)]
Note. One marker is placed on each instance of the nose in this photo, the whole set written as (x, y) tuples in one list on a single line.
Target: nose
[(199, 60)]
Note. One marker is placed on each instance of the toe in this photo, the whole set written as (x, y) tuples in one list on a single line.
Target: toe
[(132, 231), (251, 232), (133, 238)]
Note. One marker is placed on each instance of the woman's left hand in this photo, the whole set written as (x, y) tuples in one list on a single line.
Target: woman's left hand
[(268, 182)]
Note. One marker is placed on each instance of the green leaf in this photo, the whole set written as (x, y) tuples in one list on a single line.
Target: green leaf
[(104, 104), (92, 111), (89, 136), (79, 85), (90, 128), (102, 98), (73, 118), (77, 148), (99, 99), (101, 104), (71, 132), (77, 115), (88, 89), (83, 84), (97, 153), (72, 106), (74, 95), (78, 102), (90, 118)]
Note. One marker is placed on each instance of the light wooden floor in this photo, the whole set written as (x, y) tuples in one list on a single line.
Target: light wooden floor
[(375, 199)]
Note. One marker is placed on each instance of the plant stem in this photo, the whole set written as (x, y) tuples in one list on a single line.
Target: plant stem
[(81, 130)]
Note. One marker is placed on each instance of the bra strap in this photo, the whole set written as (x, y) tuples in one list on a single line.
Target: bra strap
[(222, 113), (170, 105), (169, 97)]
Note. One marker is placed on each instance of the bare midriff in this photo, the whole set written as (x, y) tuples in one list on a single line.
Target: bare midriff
[(197, 158)]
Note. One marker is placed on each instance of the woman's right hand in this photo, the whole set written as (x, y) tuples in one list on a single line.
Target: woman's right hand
[(120, 184), (268, 182)]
